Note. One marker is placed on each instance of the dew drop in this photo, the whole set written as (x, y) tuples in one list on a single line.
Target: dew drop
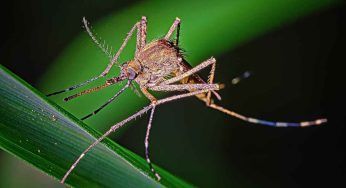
[(53, 118)]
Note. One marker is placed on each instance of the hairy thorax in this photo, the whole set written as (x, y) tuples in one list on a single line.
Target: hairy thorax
[(159, 60)]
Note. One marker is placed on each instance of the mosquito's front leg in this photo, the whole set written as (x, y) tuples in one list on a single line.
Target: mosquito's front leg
[(114, 59), (117, 55)]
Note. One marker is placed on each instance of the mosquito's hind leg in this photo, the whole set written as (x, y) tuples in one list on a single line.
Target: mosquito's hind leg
[(207, 99), (211, 104), (194, 70), (268, 123), (184, 87)]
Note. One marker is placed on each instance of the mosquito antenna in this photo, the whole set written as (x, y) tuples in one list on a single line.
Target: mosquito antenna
[(96, 41), (109, 101)]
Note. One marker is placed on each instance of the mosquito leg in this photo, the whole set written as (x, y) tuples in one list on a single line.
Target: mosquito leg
[(148, 95), (138, 39), (183, 87), (146, 143), (120, 124), (141, 35), (190, 72), (176, 24), (211, 81), (209, 103), (116, 56), (260, 121), (143, 29), (105, 72), (113, 128), (199, 67), (268, 123), (108, 102), (177, 35)]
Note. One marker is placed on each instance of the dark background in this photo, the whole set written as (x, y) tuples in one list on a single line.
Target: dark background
[(305, 81)]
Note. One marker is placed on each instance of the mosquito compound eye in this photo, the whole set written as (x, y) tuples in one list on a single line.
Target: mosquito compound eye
[(131, 74)]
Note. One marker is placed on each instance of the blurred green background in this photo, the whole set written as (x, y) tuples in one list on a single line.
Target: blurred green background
[(295, 64)]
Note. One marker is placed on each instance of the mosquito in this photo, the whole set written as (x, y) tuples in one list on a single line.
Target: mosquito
[(160, 66)]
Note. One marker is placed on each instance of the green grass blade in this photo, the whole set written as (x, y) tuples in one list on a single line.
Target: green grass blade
[(49, 138)]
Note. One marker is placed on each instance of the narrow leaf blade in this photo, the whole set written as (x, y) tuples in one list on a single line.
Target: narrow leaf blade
[(41, 133)]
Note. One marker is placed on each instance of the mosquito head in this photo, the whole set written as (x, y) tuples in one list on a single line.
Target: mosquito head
[(130, 70)]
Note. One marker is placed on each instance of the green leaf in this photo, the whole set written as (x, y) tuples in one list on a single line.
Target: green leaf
[(46, 136)]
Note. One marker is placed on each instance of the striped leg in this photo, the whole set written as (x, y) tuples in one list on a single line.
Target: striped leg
[(146, 143), (211, 104), (265, 122)]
